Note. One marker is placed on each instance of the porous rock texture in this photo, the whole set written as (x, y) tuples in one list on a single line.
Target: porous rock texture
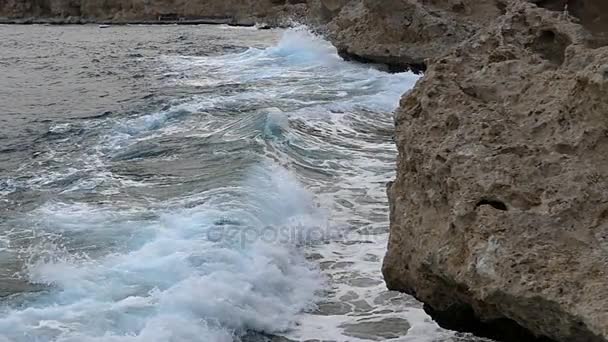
[(403, 33), (499, 212)]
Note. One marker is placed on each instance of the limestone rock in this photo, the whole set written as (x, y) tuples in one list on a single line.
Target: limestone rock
[(403, 33), (499, 212)]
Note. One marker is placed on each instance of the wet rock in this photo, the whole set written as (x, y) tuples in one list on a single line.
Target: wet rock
[(499, 221)]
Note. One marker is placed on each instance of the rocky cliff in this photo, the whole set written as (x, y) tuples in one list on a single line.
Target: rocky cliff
[(403, 33), (499, 212)]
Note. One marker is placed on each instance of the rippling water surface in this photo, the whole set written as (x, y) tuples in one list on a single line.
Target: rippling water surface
[(195, 184)]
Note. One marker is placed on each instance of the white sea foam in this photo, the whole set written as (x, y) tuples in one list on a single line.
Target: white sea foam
[(187, 279)]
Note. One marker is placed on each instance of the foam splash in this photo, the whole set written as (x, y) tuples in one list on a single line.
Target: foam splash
[(189, 279), (300, 46)]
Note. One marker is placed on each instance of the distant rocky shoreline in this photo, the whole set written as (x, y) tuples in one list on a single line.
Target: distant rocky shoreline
[(231, 12), (83, 21)]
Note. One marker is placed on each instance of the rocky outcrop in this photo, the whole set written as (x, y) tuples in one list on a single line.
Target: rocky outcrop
[(240, 11), (403, 33), (499, 212)]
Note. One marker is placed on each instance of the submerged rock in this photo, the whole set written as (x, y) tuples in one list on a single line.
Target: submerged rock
[(499, 213)]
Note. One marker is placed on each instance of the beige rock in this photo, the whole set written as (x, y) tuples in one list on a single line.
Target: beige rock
[(499, 213), (403, 33)]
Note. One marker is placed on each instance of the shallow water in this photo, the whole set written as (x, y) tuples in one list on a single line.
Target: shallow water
[(194, 184)]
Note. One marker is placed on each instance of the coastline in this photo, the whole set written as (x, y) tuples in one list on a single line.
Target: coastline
[(462, 179), (87, 21)]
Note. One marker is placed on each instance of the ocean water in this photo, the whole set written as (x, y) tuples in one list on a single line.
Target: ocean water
[(195, 184)]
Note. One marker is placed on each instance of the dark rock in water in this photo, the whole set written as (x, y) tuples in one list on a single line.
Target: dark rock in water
[(393, 64), (498, 213)]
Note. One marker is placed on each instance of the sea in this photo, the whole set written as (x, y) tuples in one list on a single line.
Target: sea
[(196, 183)]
